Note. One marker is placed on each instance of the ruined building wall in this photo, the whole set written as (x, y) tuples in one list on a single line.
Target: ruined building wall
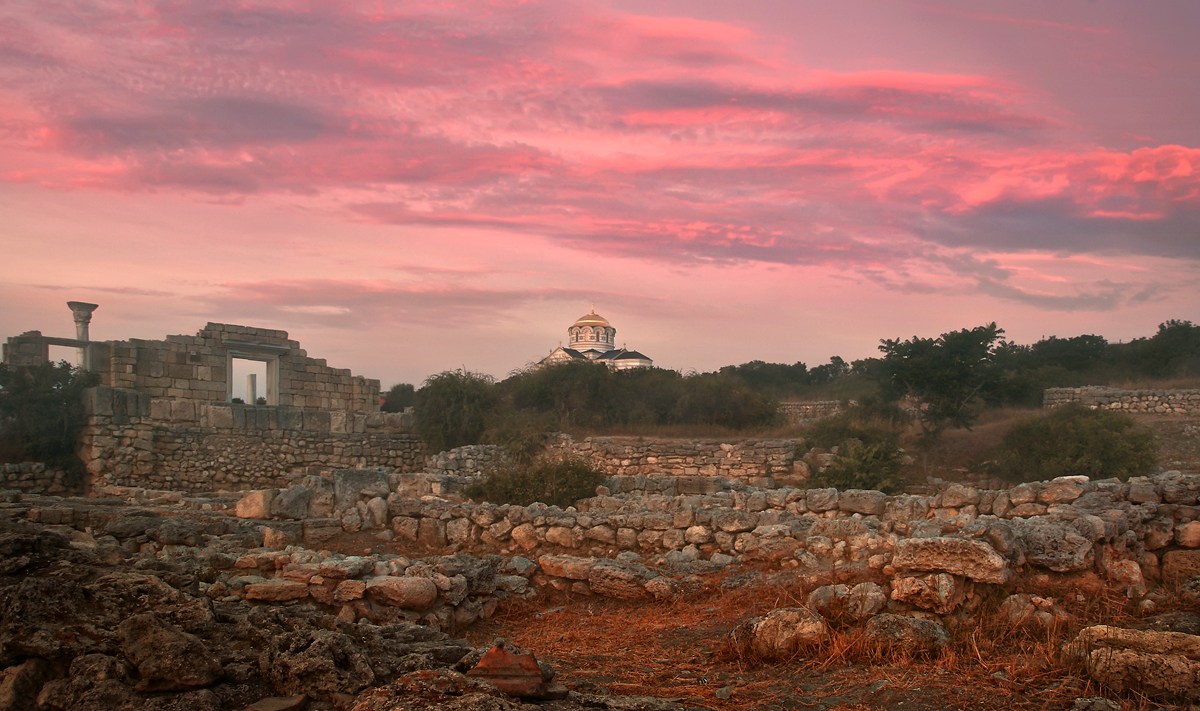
[(198, 367), (1163, 402), (744, 460), (134, 440), (797, 412)]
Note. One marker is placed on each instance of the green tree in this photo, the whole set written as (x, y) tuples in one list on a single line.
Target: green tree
[(454, 408), (1074, 440), (400, 396), (944, 376), (41, 413)]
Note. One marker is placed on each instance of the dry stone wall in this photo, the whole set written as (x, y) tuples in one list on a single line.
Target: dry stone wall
[(34, 478), (135, 440), (1162, 402), (798, 412), (744, 460)]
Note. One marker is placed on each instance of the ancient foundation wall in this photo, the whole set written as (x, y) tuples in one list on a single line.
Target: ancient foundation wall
[(34, 478), (744, 460), (1164, 402), (796, 412), (135, 440)]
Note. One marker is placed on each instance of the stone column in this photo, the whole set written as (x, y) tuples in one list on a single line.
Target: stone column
[(252, 389), (83, 316)]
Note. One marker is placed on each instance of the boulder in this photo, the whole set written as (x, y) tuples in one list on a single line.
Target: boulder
[(1188, 534), (897, 633), (970, 558), (1054, 545), (291, 503), (869, 503), (276, 590), (1160, 665), (1023, 610), (256, 504), (407, 592), (167, 658), (940, 593), (611, 578), (784, 632), (566, 566)]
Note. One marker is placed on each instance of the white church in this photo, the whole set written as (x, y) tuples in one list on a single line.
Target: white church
[(593, 338)]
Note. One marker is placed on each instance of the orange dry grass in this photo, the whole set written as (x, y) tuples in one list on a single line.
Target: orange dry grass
[(681, 650)]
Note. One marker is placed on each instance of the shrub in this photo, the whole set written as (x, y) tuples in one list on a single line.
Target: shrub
[(864, 466), (1074, 440), (400, 396), (556, 482), (41, 414), (453, 408)]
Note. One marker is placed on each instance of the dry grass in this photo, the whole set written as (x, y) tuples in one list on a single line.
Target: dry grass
[(681, 650)]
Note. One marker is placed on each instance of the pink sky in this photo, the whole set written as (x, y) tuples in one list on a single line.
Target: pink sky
[(412, 187)]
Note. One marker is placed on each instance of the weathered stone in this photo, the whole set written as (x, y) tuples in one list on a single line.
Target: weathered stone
[(957, 495), (276, 590), (1023, 610), (1179, 566), (431, 534), (563, 536), (407, 592), (822, 499), (870, 503), (1188, 534), (735, 521), (256, 504), (1053, 545), (784, 632), (1062, 490), (348, 590), (378, 510), (940, 593), (525, 535), (291, 503), (971, 558), (612, 579), (566, 566), (167, 658), (1160, 665), (902, 634)]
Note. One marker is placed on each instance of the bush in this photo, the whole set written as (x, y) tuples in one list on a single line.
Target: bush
[(453, 408), (864, 466), (41, 414), (1074, 440), (400, 396), (556, 482)]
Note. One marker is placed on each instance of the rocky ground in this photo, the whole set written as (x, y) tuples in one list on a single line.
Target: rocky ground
[(353, 592)]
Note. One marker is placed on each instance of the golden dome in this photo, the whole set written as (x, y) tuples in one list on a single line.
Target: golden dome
[(592, 319)]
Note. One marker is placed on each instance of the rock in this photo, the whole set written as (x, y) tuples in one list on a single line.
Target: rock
[(870, 503), (378, 509), (525, 536), (900, 634), (735, 520), (613, 579), (1126, 577), (276, 590), (1161, 665), (280, 703), (1023, 610), (20, 684), (257, 504), (820, 500), (1095, 703), (956, 496), (407, 592), (566, 566), (970, 558), (829, 601), (1053, 545), (1062, 490), (784, 632), (940, 593), (431, 534), (1188, 534), (1180, 566), (865, 600), (167, 658), (291, 503)]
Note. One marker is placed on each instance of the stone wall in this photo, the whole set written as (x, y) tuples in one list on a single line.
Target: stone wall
[(744, 460), (34, 478), (1163, 402), (198, 367), (134, 440), (798, 412)]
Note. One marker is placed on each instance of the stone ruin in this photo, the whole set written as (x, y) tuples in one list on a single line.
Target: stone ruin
[(200, 573)]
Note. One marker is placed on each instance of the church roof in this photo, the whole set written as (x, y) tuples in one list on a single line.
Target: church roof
[(592, 319), (626, 355)]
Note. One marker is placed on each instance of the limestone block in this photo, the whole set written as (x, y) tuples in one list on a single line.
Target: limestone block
[(602, 533), (220, 416), (525, 536), (905, 634), (611, 578), (458, 531), (861, 501), (1053, 545), (406, 592), (1180, 566), (167, 658), (956, 496), (1143, 491), (291, 503), (566, 566), (256, 505), (822, 499), (1022, 494), (276, 590), (971, 558), (735, 521), (1188, 534), (1161, 665), (377, 508), (784, 632), (1159, 532), (1063, 490), (940, 593), (431, 533), (405, 527)]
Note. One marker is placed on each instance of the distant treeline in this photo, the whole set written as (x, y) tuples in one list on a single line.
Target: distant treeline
[(951, 375)]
